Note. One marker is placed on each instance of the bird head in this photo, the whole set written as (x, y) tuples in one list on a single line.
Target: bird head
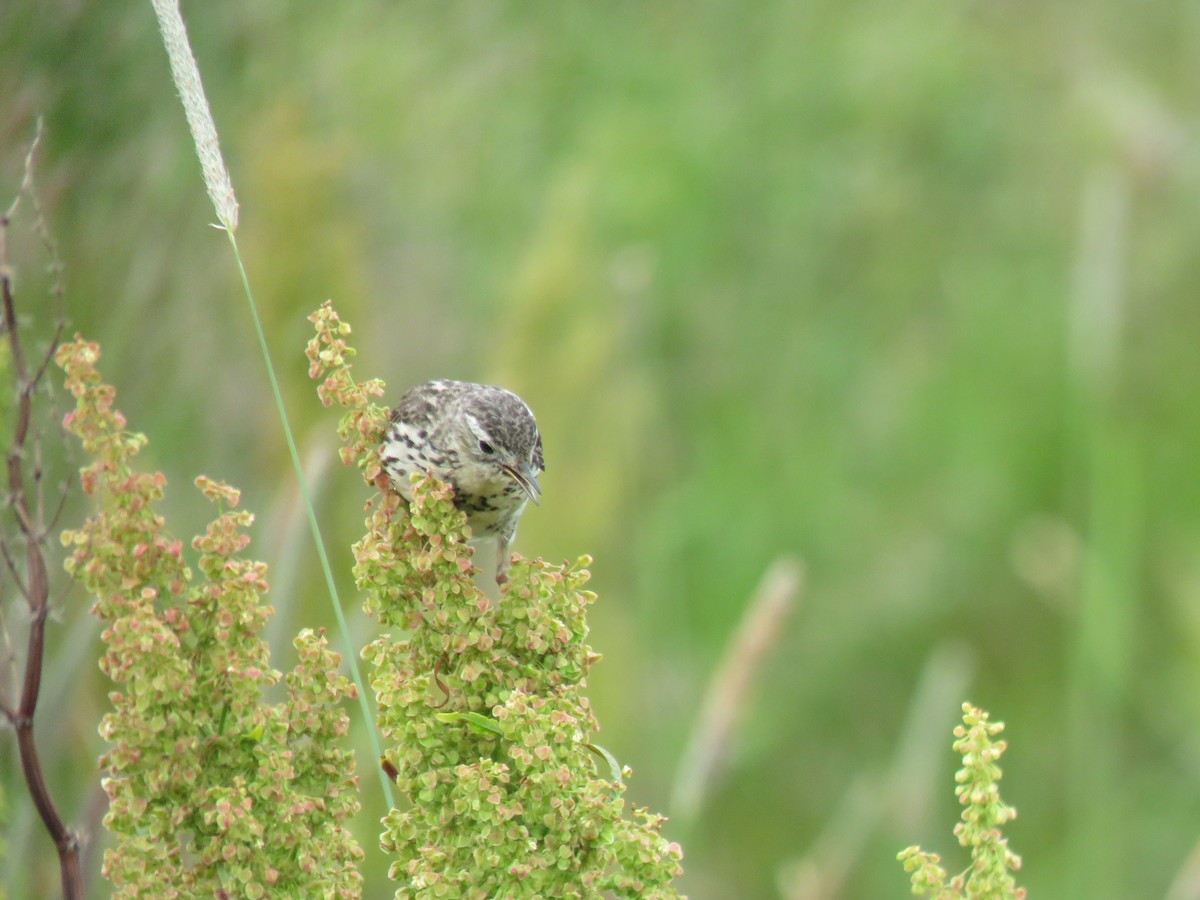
[(502, 436)]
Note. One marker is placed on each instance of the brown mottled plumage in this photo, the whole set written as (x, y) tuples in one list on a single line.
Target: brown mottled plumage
[(481, 440)]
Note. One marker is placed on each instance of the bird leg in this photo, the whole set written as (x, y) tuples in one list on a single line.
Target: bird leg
[(503, 557)]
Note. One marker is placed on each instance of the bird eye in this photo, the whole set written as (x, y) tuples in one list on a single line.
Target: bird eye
[(486, 448)]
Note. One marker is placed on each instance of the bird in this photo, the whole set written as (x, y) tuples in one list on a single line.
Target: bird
[(480, 439)]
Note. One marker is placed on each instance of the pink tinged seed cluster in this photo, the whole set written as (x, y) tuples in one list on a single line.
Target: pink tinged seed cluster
[(211, 791), (984, 815), (483, 703)]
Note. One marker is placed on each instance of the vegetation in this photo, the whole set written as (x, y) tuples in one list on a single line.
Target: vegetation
[(504, 792), (903, 290), (980, 831), (211, 791)]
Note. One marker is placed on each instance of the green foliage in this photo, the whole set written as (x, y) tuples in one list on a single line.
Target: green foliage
[(211, 791), (3, 843), (789, 278), (990, 874), (484, 701)]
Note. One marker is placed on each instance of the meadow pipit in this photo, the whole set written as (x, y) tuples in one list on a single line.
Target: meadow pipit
[(482, 441)]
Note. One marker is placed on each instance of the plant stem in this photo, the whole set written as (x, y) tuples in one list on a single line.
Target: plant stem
[(314, 525), (36, 590)]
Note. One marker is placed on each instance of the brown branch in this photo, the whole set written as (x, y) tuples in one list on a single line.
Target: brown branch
[(39, 494), (36, 588)]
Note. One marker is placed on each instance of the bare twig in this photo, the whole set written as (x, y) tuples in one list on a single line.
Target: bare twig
[(31, 526), (52, 525), (26, 188), (11, 565)]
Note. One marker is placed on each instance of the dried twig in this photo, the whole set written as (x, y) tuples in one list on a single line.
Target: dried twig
[(25, 449)]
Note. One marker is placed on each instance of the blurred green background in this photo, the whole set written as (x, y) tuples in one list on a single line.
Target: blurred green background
[(905, 291)]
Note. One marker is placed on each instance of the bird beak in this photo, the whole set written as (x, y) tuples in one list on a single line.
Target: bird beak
[(526, 477)]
